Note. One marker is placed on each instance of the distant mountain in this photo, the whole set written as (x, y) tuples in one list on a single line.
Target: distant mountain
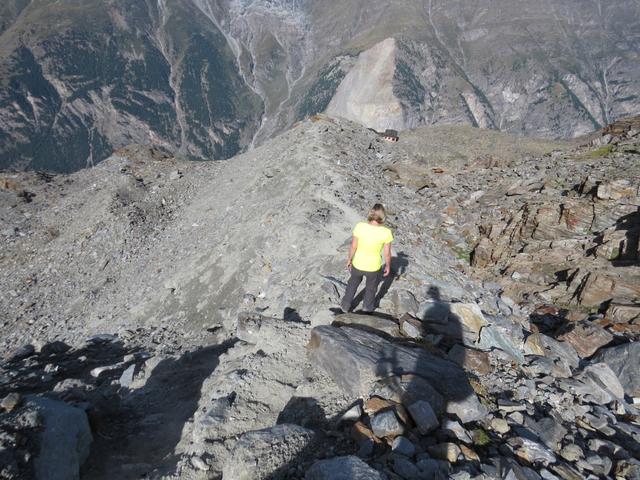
[(208, 78)]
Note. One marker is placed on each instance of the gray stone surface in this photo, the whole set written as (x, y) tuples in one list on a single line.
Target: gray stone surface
[(424, 416), (623, 361), (258, 455), (65, 441), (356, 359), (343, 468)]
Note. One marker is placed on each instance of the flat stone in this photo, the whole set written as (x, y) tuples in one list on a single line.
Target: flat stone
[(469, 454), (386, 424), (462, 321), (424, 416), (356, 360), (597, 384), (605, 378), (504, 335), (343, 468), (372, 322), (65, 441), (412, 328), (586, 338), (126, 379), (538, 366), (548, 429), (470, 359), (623, 361), (431, 468), (200, 464), (96, 372), (10, 402), (509, 406), (375, 404), (360, 432), (531, 451), (598, 464), (257, 454), (403, 446), (566, 472)]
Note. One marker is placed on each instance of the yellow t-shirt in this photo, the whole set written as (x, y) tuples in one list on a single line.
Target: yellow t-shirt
[(371, 240)]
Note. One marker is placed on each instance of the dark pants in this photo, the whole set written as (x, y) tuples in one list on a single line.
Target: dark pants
[(371, 286)]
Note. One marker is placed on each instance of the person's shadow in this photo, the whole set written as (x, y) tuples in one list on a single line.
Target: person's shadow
[(628, 250)]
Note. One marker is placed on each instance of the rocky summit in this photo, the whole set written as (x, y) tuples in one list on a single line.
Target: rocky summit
[(207, 79), (171, 319)]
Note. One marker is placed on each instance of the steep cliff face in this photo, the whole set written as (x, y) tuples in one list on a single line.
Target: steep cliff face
[(81, 80), (207, 78)]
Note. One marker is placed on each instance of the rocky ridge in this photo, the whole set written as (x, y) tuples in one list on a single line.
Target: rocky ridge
[(185, 315)]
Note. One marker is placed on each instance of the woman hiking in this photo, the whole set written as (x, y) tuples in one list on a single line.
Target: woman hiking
[(370, 240)]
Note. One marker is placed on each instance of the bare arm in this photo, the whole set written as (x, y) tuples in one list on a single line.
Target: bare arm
[(387, 259), (352, 250)]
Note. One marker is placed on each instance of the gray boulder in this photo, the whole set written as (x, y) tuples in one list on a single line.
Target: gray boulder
[(623, 361), (65, 441), (597, 384), (424, 416), (356, 360), (261, 454), (343, 468)]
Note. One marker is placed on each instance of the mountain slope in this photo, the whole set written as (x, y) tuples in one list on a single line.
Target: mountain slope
[(208, 78), (95, 76)]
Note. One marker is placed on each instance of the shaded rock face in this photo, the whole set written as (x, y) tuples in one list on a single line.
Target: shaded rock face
[(207, 79), (65, 442), (106, 76)]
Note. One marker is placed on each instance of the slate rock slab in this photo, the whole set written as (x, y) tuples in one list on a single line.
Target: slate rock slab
[(356, 360)]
